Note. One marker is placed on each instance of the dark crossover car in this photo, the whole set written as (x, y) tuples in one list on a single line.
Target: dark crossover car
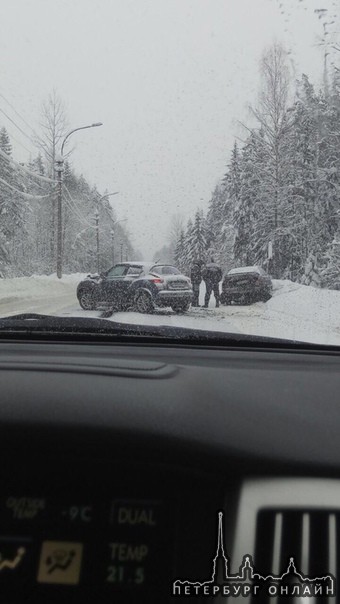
[(137, 286), (246, 284)]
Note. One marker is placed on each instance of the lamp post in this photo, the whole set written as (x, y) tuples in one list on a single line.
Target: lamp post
[(96, 218), (113, 238), (59, 169)]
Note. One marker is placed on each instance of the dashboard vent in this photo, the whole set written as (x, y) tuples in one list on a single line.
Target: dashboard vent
[(309, 536), (280, 519)]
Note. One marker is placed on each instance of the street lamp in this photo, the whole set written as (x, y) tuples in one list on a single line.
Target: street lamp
[(95, 125), (59, 170)]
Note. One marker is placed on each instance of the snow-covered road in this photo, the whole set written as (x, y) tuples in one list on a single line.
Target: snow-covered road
[(49, 305), (46, 295), (294, 312)]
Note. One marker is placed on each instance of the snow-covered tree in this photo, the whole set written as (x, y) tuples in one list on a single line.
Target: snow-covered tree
[(12, 204), (197, 243), (180, 251)]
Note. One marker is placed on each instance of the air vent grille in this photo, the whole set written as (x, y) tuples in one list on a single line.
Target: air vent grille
[(309, 536), (290, 518)]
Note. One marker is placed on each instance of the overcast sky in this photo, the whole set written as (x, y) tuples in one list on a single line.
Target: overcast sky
[(169, 79)]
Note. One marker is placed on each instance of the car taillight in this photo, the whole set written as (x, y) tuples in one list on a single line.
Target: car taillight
[(157, 280)]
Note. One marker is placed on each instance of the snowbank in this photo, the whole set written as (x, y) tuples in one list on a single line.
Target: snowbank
[(308, 313)]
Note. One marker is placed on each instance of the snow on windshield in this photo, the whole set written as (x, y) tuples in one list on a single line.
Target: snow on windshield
[(199, 137)]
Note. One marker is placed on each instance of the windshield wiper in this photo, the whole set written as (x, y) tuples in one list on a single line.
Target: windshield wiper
[(49, 327)]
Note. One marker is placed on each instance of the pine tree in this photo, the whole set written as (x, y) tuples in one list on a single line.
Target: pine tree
[(187, 257), (179, 252), (196, 243)]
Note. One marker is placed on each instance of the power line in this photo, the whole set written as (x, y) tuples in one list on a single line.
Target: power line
[(37, 184), (18, 127), (79, 209), (78, 216), (72, 199), (26, 195), (16, 164), (76, 212), (18, 142), (18, 114)]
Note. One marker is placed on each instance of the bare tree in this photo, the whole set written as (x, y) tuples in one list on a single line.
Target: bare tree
[(54, 126), (176, 226), (175, 229)]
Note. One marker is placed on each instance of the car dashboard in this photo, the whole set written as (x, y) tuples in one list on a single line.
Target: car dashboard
[(120, 461)]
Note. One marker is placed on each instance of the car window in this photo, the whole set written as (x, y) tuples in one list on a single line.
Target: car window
[(134, 271), (165, 270), (117, 271)]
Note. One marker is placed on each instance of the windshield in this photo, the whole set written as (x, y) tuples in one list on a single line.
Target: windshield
[(194, 138)]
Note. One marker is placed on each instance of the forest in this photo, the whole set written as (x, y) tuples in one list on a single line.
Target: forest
[(277, 205)]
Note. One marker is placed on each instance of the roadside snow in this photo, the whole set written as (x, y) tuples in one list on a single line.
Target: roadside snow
[(295, 312)]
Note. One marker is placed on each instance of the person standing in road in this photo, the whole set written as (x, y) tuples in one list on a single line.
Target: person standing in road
[(196, 278), (212, 275)]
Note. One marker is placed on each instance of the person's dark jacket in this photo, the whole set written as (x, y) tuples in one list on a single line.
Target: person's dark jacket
[(212, 273), (195, 274)]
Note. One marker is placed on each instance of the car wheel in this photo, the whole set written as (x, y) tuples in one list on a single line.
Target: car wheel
[(181, 307), (143, 302), (266, 296), (86, 300)]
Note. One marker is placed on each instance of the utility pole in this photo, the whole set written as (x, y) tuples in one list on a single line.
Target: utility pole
[(113, 246), (113, 240), (59, 168), (96, 217), (121, 252)]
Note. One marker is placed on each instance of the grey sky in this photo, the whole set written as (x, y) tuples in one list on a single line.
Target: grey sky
[(168, 78)]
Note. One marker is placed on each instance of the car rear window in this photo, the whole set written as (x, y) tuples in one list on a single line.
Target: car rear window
[(166, 270)]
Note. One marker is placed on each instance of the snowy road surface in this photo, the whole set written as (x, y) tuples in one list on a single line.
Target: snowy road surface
[(294, 312)]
